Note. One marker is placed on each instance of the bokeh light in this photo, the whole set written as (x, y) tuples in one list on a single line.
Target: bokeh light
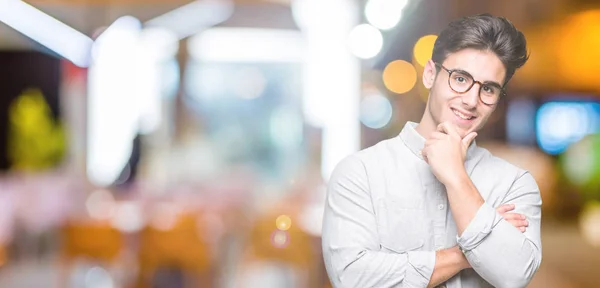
[(280, 239), (559, 124), (375, 111), (100, 205), (128, 217), (423, 49), (165, 216), (581, 165), (399, 76), (589, 223), (98, 277), (283, 222), (365, 41), (578, 31), (384, 14)]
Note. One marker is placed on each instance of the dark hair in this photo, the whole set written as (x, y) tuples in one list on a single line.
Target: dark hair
[(484, 32)]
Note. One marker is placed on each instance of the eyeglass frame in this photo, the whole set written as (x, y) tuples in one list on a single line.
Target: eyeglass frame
[(450, 71)]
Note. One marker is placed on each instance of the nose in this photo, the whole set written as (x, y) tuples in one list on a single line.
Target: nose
[(471, 98)]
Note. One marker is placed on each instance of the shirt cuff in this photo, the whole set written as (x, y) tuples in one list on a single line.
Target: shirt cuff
[(421, 268), (480, 227)]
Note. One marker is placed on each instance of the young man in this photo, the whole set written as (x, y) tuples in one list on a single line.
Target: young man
[(428, 208)]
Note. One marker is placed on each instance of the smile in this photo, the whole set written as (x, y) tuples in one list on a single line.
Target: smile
[(462, 116)]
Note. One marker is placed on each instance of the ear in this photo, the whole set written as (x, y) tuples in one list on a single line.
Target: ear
[(429, 74)]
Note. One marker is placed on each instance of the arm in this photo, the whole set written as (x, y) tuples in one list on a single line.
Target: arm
[(448, 262), (499, 252), (351, 247)]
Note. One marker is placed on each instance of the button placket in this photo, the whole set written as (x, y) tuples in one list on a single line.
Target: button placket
[(440, 217)]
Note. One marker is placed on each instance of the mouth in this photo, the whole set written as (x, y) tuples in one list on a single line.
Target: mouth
[(462, 116)]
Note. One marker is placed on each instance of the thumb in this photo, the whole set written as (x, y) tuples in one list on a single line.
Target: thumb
[(469, 139)]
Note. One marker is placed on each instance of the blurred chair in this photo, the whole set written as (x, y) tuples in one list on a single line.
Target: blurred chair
[(179, 250), (91, 240)]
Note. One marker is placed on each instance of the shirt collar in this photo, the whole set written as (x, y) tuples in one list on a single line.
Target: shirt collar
[(415, 142)]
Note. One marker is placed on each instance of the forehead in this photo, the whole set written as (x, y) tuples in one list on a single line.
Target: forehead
[(483, 65)]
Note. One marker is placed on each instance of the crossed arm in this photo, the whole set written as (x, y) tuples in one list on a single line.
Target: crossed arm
[(353, 256), (449, 262)]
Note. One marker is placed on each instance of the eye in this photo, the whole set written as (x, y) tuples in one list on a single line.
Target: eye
[(489, 89)]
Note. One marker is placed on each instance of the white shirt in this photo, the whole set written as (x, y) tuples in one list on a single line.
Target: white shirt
[(386, 214)]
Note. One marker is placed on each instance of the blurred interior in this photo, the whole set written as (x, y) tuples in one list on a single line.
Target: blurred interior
[(178, 143)]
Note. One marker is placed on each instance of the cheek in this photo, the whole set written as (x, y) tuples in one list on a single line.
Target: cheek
[(440, 100), (485, 116), (439, 109)]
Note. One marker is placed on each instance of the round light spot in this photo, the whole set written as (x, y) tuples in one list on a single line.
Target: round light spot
[(424, 48), (97, 277), (100, 205), (365, 41), (128, 217), (375, 111), (280, 239), (165, 216), (579, 161), (384, 14), (589, 223), (283, 222), (399, 76)]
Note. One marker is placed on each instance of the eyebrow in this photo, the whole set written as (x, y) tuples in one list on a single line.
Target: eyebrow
[(484, 82)]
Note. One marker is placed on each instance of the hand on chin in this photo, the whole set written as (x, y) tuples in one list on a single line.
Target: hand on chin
[(463, 130)]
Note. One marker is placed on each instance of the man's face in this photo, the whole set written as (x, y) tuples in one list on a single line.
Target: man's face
[(465, 110)]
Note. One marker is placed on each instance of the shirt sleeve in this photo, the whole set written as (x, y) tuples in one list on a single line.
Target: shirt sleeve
[(499, 252), (351, 248)]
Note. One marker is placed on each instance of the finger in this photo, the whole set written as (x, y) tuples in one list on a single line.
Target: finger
[(430, 142), (522, 229), (447, 128), (505, 208), (469, 139), (516, 223), (519, 223), (438, 135), (513, 216)]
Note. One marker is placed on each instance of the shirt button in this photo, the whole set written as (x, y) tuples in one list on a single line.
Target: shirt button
[(441, 207)]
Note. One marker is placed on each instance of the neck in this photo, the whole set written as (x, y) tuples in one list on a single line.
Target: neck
[(427, 125)]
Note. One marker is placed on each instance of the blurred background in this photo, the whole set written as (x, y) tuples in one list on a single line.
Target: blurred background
[(178, 143)]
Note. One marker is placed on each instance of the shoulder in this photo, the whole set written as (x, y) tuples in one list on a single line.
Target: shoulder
[(381, 150), (500, 169), (357, 165)]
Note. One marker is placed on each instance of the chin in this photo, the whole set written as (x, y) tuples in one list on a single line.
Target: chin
[(463, 130)]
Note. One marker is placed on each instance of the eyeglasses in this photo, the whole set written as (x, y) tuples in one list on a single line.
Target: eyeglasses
[(461, 81)]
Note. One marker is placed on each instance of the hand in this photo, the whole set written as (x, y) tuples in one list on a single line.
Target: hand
[(445, 151), (516, 219)]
